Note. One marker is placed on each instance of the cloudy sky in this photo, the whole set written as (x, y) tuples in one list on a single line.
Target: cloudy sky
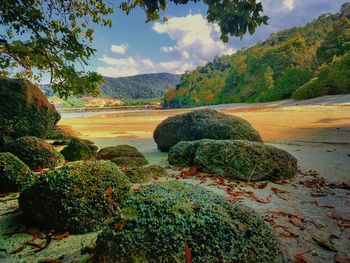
[(187, 40)]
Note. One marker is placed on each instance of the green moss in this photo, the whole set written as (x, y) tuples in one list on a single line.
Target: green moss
[(78, 197), (35, 153), (14, 174), (202, 124), (111, 152), (25, 110), (237, 159), (79, 150), (155, 223), (145, 174), (61, 134), (123, 155)]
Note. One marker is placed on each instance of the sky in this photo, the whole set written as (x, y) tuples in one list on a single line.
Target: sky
[(187, 40)]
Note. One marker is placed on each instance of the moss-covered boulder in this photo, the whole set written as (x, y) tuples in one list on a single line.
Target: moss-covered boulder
[(62, 134), (14, 174), (79, 150), (35, 153), (235, 159), (123, 155), (162, 222), (202, 124), (24, 110), (78, 197), (145, 174)]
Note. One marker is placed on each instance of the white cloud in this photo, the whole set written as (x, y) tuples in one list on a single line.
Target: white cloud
[(288, 4), (119, 49), (196, 39), (196, 43)]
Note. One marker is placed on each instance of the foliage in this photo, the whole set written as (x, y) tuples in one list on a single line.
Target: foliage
[(24, 110), (79, 197), (79, 150), (35, 153), (202, 124), (55, 36), (235, 159), (14, 174), (331, 79), (139, 86), (268, 71), (144, 174), (172, 222)]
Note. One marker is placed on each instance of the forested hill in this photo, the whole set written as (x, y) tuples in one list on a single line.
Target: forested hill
[(302, 62), (139, 86), (134, 87)]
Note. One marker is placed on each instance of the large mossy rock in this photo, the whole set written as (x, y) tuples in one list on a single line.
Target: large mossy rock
[(79, 197), (79, 150), (35, 153), (24, 110), (158, 222), (14, 174), (202, 124), (123, 155), (235, 159)]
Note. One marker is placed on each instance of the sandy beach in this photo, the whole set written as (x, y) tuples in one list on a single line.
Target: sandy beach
[(310, 213)]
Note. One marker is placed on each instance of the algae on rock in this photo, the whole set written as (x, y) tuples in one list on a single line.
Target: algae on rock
[(14, 174), (123, 155), (235, 159), (79, 197), (158, 222), (35, 153), (202, 124)]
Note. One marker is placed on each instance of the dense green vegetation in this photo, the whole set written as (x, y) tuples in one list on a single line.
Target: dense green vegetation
[(133, 90), (305, 61), (139, 86)]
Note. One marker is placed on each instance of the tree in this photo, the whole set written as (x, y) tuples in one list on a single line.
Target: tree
[(39, 36)]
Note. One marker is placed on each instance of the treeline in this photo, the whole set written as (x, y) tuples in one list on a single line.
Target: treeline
[(300, 63), (142, 86)]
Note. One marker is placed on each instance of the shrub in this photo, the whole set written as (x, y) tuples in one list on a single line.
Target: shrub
[(243, 160), (35, 153), (158, 222), (202, 124), (14, 174), (79, 197)]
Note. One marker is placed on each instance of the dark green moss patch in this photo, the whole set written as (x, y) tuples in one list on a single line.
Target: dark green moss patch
[(78, 197), (145, 174), (14, 174), (123, 155), (243, 160), (79, 150), (35, 153), (155, 224), (202, 124)]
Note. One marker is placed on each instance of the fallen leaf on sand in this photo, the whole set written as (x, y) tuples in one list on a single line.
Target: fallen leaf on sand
[(261, 185), (259, 200), (277, 190), (296, 221), (300, 258), (62, 236), (323, 243), (317, 223), (188, 253), (340, 259)]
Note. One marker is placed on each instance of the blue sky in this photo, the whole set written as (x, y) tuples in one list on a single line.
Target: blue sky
[(187, 40)]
